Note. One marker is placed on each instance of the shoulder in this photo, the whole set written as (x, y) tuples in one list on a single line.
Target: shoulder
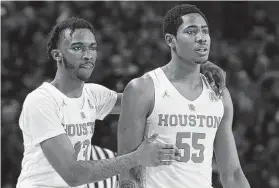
[(40, 99), (39, 96), (228, 104), (226, 97), (140, 86), (139, 93), (96, 88), (204, 78), (93, 86)]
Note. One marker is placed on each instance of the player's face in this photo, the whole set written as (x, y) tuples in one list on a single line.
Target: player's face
[(79, 51), (193, 40)]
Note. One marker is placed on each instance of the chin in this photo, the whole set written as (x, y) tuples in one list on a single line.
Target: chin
[(201, 60), (84, 78), (84, 74)]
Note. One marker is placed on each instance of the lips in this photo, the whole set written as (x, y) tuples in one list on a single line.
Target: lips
[(201, 49), (87, 66)]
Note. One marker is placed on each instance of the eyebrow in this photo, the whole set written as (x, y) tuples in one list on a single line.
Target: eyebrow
[(194, 26), (80, 43)]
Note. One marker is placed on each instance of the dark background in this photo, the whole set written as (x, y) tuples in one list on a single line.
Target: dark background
[(129, 34)]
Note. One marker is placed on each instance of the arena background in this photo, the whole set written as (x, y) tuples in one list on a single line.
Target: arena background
[(129, 34)]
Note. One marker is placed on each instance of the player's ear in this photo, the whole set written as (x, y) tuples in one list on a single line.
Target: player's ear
[(56, 54), (170, 40)]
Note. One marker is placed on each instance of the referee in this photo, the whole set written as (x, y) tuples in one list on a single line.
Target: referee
[(98, 153)]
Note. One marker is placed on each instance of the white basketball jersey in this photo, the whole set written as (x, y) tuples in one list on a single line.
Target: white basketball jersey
[(47, 113), (191, 125)]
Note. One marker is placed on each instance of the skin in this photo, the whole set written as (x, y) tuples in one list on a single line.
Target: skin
[(183, 72), (74, 51), (78, 49), (225, 150), (192, 33), (132, 120), (71, 56), (184, 68)]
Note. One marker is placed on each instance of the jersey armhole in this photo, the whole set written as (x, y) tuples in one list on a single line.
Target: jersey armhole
[(152, 105)]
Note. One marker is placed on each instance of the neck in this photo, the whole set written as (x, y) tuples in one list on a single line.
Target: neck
[(178, 69), (69, 86)]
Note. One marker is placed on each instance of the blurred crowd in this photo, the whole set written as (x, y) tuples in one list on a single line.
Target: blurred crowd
[(130, 42)]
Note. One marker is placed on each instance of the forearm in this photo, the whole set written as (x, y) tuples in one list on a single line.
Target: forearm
[(135, 177), (91, 171), (238, 179)]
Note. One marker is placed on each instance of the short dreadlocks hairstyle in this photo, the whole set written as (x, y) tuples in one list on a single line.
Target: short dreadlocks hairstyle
[(173, 19), (70, 23)]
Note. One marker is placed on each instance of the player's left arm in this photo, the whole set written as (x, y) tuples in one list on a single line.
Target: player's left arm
[(225, 150)]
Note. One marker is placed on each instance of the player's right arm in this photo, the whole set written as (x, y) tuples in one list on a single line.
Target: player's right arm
[(40, 120), (137, 103)]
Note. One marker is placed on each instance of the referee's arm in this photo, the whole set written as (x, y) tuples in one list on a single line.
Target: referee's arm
[(98, 153)]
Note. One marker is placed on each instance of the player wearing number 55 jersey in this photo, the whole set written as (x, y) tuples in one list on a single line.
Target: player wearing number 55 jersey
[(177, 102)]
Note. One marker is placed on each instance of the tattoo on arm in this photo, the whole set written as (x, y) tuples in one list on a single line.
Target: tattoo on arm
[(138, 174), (137, 178), (128, 184)]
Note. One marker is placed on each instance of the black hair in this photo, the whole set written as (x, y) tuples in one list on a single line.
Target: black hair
[(173, 19), (70, 23)]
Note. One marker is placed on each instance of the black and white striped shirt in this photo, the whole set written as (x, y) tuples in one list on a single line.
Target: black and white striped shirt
[(98, 153)]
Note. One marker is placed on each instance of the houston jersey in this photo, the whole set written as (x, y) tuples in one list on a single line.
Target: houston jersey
[(47, 113), (191, 126)]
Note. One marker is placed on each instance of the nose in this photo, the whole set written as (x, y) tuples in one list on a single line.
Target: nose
[(88, 55), (200, 37)]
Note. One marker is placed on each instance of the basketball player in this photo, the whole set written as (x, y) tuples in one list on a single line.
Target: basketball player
[(177, 102), (58, 119)]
